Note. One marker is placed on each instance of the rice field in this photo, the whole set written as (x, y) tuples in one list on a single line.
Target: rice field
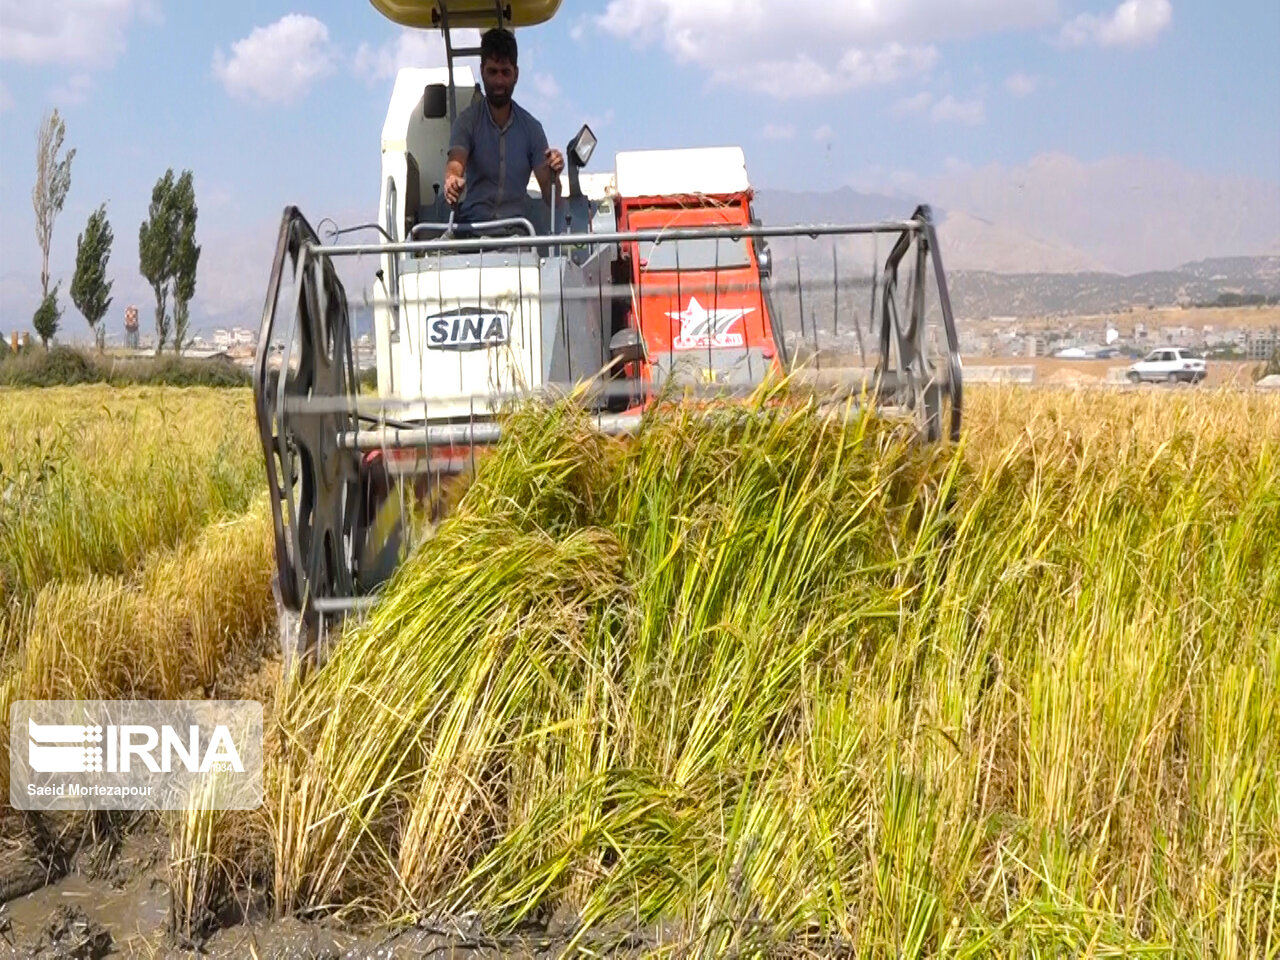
[(766, 684), (134, 543), (92, 479)]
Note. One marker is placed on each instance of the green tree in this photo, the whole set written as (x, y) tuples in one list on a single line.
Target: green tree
[(53, 180), (47, 316), (90, 288), (157, 243), (186, 258)]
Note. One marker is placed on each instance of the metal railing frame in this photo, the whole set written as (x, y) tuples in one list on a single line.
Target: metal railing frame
[(309, 415)]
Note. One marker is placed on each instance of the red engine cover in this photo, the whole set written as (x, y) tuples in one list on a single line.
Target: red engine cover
[(694, 297)]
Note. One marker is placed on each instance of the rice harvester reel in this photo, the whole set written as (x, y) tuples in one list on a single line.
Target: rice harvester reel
[(314, 487), (654, 280)]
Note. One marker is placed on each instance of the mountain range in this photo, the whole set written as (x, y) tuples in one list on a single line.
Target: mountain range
[(1051, 255)]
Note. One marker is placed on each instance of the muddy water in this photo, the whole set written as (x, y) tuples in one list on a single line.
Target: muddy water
[(116, 904), (135, 914)]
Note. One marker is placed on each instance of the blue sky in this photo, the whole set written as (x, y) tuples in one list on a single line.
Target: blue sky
[(282, 102)]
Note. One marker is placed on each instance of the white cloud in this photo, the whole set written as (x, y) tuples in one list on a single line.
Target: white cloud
[(951, 110), (1022, 84), (409, 48), (919, 103), (945, 110), (598, 122), (889, 63), (793, 48), (804, 76), (778, 131), (88, 33), (824, 133), (277, 63), (540, 92), (6, 98), (75, 89), (544, 84), (1132, 24)]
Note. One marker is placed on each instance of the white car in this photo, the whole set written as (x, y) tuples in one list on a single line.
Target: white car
[(1171, 364)]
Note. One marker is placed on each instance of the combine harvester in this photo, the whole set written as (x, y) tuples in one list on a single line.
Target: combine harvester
[(656, 280)]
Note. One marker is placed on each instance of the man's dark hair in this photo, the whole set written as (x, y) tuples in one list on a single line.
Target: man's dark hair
[(499, 44)]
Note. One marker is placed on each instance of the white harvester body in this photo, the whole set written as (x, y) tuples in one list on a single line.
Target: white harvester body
[(466, 331), (464, 327)]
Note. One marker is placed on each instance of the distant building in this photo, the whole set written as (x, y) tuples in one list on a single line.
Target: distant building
[(1177, 336), (131, 327), (1262, 344), (17, 342), (235, 337)]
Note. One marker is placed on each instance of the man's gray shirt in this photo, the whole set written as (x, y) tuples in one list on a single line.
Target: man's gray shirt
[(499, 161)]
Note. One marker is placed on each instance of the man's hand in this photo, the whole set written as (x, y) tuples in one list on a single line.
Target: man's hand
[(453, 187), (555, 160)]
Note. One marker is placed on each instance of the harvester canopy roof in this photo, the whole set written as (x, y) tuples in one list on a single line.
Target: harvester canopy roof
[(468, 13)]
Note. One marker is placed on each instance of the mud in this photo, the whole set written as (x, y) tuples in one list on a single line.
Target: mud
[(102, 884), (113, 901), (80, 918), (70, 933), (94, 886)]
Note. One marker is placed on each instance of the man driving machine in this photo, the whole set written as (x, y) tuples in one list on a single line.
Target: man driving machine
[(496, 144)]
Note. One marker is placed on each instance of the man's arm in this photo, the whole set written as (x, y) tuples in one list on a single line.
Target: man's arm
[(461, 142), (548, 172), (455, 174), (545, 161), (545, 181)]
